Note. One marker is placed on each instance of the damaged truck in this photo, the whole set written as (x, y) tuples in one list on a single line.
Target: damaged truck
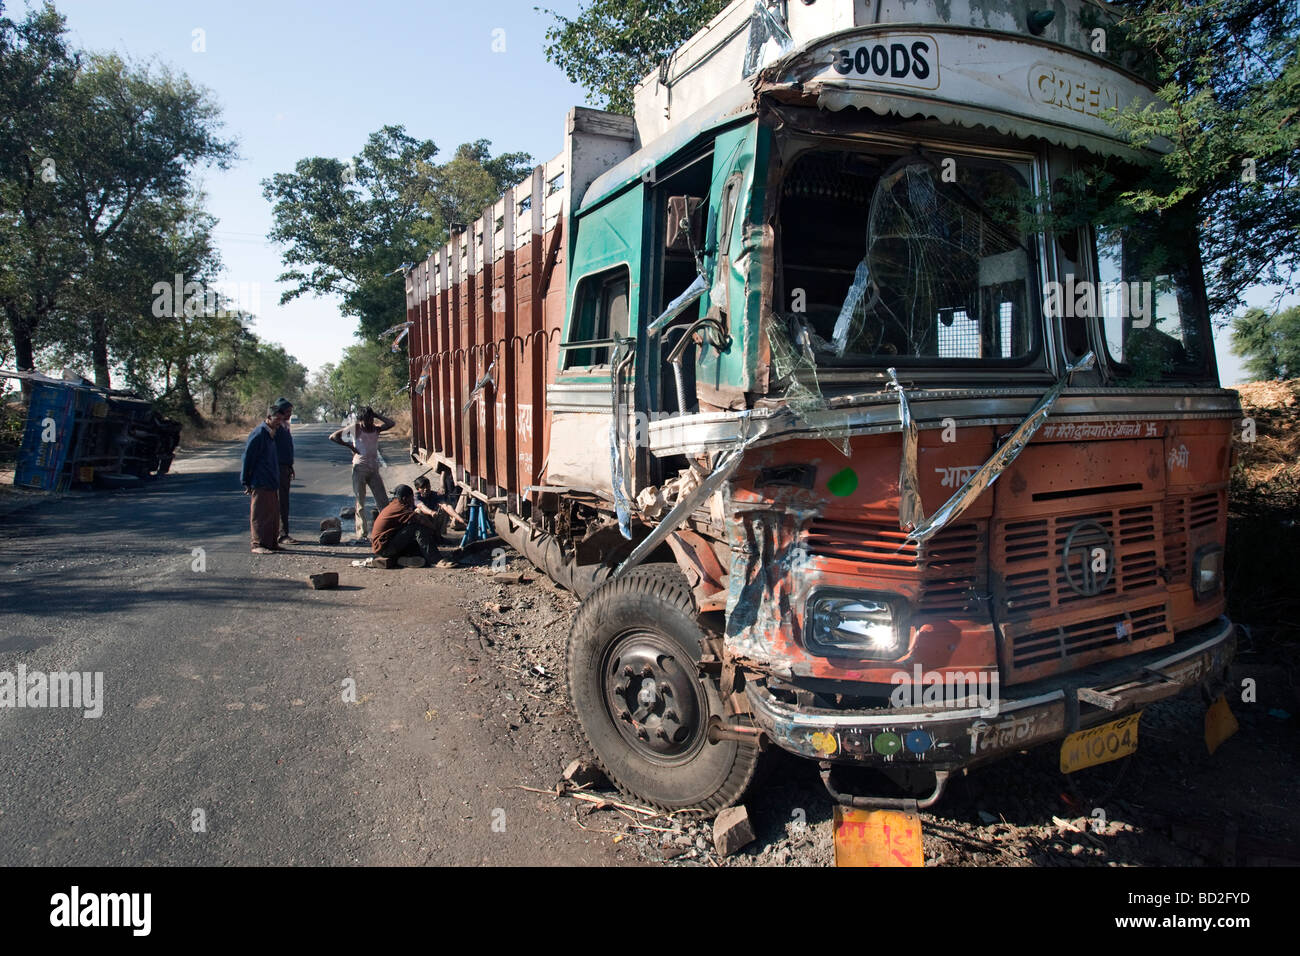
[(852, 432)]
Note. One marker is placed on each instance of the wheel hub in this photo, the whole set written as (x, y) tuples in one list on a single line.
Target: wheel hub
[(653, 696)]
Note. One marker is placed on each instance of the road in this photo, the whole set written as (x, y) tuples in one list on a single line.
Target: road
[(225, 737)]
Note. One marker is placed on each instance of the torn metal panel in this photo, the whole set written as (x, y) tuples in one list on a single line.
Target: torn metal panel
[(1003, 457), (910, 510), (684, 508), (679, 305), (696, 556)]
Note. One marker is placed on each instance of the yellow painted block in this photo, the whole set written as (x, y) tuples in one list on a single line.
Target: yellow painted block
[(877, 838)]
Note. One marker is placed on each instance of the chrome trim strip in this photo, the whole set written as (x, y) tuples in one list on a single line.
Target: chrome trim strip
[(877, 413)]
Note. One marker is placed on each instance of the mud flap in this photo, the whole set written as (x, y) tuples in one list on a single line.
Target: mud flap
[(1220, 724)]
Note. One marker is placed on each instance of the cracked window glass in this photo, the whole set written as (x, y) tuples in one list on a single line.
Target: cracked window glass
[(909, 261)]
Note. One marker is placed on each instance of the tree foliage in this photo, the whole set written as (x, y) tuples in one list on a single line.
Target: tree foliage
[(98, 211), (1229, 71), (349, 226), (612, 45), (1269, 342)]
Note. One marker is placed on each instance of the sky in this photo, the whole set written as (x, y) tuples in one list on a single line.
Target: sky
[(298, 79)]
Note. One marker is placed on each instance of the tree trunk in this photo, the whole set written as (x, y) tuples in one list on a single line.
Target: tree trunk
[(99, 348), (21, 333), (188, 406)]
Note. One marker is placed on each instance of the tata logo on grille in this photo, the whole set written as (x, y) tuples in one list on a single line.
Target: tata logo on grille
[(1087, 559)]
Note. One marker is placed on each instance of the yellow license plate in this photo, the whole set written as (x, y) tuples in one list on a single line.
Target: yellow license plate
[(1097, 745)]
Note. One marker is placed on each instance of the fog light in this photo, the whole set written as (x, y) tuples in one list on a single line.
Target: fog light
[(1207, 571), (861, 625)]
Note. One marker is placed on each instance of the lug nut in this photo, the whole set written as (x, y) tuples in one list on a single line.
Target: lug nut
[(641, 734), (647, 670), (666, 690), (620, 688), (627, 671), (661, 734), (624, 715), (670, 715)]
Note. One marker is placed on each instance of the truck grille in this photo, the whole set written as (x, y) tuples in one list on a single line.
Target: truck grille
[(1036, 653), (951, 570), (1183, 515), (1028, 554), (1047, 626)]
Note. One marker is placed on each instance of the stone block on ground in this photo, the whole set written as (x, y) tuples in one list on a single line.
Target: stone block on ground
[(333, 536), (330, 524), (324, 580), (732, 830), (583, 773)]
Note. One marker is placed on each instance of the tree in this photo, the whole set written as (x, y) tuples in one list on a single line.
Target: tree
[(137, 136), (1269, 342), (38, 251), (86, 141), (1229, 71), (349, 226), (612, 45), (368, 374)]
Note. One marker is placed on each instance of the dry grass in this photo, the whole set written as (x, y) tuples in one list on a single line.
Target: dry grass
[(1275, 452)]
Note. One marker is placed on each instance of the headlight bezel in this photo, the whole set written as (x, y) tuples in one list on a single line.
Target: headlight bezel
[(896, 606), (1214, 551)]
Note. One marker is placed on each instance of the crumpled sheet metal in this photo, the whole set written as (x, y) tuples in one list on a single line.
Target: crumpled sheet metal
[(910, 510), (622, 508), (724, 466), (771, 578), (1010, 449), (803, 394)]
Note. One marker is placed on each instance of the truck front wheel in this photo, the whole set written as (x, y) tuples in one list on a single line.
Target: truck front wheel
[(642, 703)]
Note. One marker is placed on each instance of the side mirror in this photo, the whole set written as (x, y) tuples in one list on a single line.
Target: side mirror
[(684, 230)]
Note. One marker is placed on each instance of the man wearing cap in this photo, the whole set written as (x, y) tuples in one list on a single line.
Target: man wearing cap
[(284, 451), (259, 473)]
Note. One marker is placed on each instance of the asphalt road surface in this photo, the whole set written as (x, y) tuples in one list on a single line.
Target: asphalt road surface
[(225, 736)]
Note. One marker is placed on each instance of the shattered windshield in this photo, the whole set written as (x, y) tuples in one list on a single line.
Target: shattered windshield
[(907, 261)]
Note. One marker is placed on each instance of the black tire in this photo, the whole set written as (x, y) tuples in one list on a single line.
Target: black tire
[(646, 623)]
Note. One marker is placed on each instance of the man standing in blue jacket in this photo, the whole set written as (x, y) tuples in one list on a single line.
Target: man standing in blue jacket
[(284, 449), (260, 476)]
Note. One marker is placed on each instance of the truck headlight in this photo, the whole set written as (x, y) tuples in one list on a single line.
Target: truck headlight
[(855, 624), (1207, 571)]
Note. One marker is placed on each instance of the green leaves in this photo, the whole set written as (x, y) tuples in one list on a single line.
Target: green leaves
[(613, 44), (1230, 73), (1270, 343), (346, 225)]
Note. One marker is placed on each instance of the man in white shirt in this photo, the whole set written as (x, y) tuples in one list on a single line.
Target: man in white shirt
[(365, 462)]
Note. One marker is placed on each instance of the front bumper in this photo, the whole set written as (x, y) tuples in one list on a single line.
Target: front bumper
[(1027, 715)]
